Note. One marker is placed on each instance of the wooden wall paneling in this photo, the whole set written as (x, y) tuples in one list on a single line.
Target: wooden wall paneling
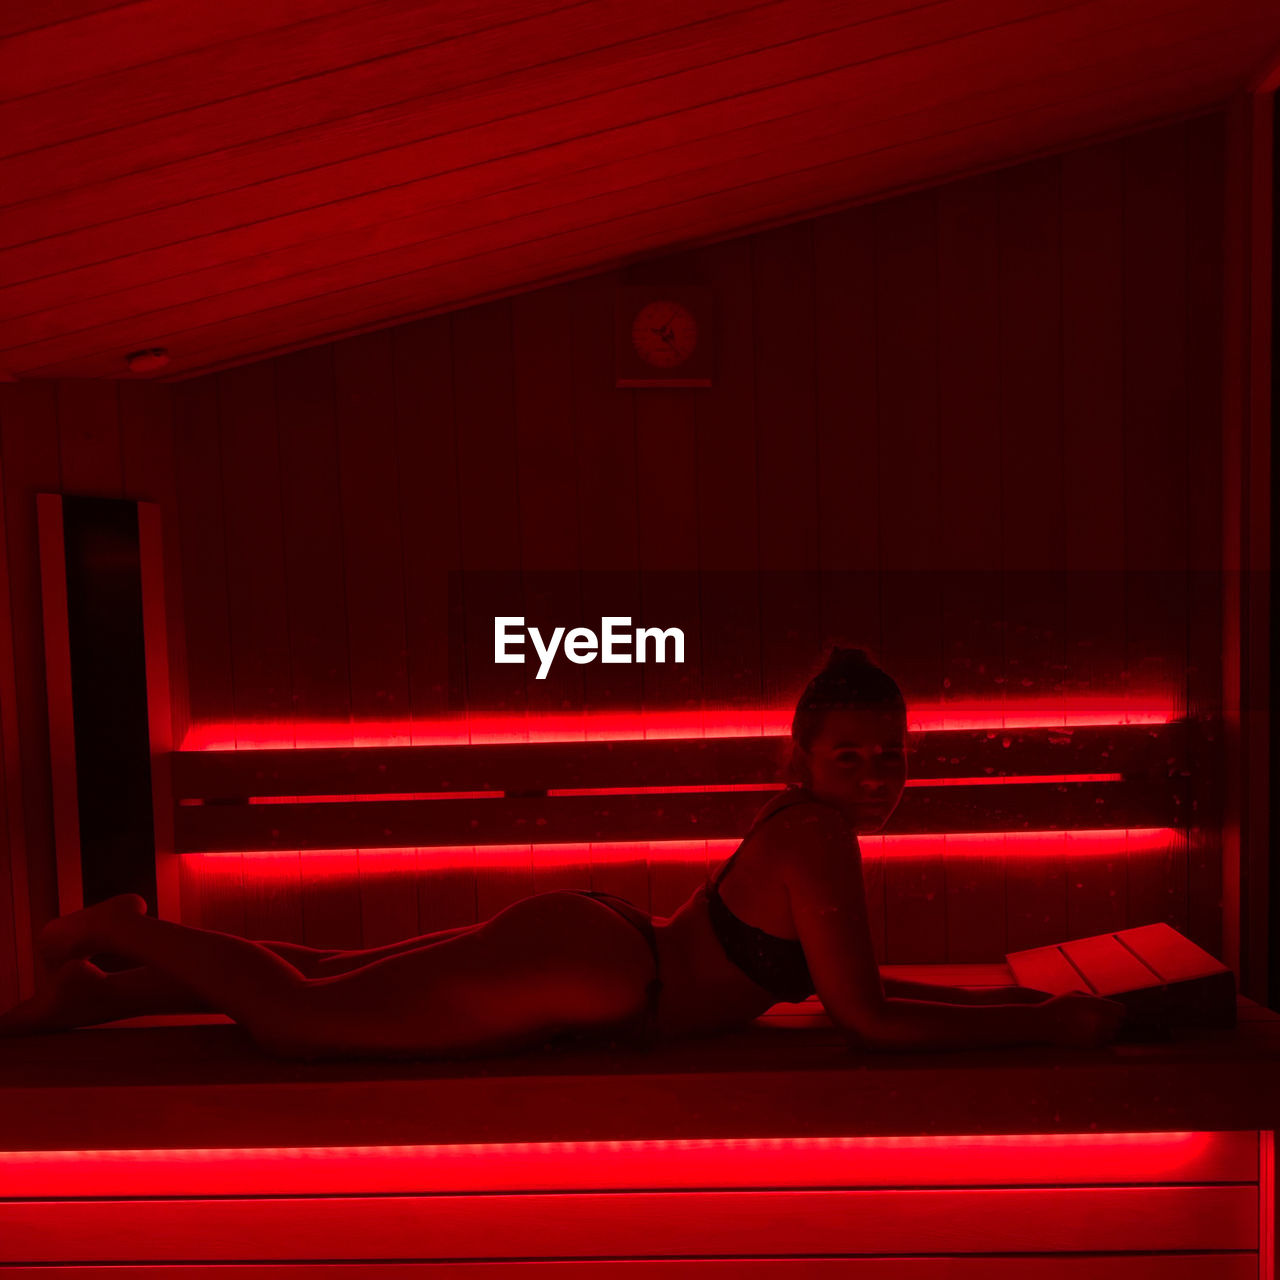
[(605, 445), (212, 885), (365, 403), (427, 490), (310, 496), (725, 508), (257, 599), (17, 967), (1206, 181), (666, 494), (29, 445), (543, 371), (911, 537), (360, 903), (666, 449), (146, 447), (1155, 468), (1092, 201), (785, 363), (89, 438), (970, 515), (782, 272), (609, 551), (844, 250), (485, 408), (484, 405), (608, 519), (1033, 508), (727, 541), (543, 374), (375, 555), (666, 500)]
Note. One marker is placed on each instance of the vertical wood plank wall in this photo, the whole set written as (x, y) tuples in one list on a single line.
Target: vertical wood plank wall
[(975, 428)]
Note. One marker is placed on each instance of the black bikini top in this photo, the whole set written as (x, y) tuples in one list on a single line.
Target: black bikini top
[(777, 964)]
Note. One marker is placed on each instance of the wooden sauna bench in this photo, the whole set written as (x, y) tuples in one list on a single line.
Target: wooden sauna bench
[(199, 1082)]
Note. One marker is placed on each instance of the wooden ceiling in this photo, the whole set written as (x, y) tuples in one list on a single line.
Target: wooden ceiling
[(231, 179)]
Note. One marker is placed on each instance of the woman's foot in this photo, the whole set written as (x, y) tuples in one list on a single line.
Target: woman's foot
[(76, 994), (82, 933)]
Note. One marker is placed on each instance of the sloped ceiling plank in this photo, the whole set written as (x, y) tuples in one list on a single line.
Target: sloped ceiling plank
[(542, 146), (537, 181), (397, 158), (429, 134), (18, 18), (612, 241), (53, 56), (371, 105), (236, 67)]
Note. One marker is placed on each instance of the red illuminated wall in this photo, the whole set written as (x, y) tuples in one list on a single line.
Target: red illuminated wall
[(1017, 373)]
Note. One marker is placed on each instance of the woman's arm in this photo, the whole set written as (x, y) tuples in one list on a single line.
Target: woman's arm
[(823, 875), (1075, 1019), (926, 1024), (906, 989)]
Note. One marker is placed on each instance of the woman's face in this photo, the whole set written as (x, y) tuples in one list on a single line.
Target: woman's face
[(858, 761)]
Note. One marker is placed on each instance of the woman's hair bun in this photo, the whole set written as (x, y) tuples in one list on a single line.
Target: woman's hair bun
[(849, 678), (842, 654)]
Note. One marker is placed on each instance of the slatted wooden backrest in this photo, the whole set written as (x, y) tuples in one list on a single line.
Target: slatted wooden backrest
[(971, 780)]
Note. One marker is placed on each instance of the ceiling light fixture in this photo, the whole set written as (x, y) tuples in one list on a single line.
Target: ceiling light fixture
[(147, 361)]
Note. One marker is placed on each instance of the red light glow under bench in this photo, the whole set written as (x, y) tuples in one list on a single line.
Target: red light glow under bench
[(1066, 1205)]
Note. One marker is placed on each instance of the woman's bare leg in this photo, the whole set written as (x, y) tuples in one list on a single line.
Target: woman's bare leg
[(305, 959), (548, 962), (316, 962), (234, 975), (80, 994)]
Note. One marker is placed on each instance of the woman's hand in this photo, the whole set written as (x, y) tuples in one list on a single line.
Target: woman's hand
[(1005, 995), (1080, 1020)]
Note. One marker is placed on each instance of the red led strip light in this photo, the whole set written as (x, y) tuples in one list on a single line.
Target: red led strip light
[(634, 725), (603, 1165)]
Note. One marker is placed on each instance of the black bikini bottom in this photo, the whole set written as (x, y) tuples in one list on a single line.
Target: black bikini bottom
[(642, 1029)]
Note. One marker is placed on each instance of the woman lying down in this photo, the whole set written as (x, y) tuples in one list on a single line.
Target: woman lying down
[(784, 916)]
